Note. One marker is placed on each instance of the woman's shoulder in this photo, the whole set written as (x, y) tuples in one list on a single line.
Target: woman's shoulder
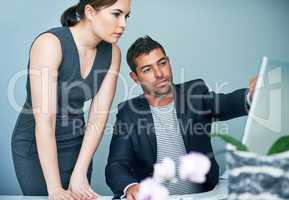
[(59, 33), (49, 37), (46, 50), (56, 33), (52, 38)]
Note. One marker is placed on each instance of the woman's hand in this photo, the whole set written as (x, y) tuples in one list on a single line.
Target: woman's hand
[(98, 114), (61, 194), (80, 187)]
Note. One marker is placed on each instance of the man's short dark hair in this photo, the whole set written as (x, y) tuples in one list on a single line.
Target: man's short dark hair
[(143, 45)]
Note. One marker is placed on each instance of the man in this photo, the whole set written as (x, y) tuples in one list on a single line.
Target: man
[(168, 120)]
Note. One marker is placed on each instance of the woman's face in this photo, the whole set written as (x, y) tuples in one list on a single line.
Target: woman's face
[(109, 23)]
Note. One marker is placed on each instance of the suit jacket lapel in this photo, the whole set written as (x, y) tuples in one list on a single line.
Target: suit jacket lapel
[(180, 105), (145, 113)]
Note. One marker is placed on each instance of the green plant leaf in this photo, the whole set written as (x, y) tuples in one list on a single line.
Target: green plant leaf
[(281, 145), (228, 139)]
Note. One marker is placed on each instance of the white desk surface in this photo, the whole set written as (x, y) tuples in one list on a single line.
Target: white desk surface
[(219, 193)]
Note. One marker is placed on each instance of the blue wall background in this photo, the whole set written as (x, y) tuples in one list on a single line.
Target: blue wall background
[(219, 41)]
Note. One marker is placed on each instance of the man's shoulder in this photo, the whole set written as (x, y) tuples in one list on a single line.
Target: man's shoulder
[(131, 103), (192, 86)]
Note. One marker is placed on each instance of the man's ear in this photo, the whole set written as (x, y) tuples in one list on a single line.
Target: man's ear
[(134, 77)]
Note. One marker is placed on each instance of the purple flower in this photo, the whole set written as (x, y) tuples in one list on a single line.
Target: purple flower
[(194, 167), (164, 171), (150, 189)]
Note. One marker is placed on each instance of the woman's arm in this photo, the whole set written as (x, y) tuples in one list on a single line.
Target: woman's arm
[(98, 114), (97, 118), (45, 58)]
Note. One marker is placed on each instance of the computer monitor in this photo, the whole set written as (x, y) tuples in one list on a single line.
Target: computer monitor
[(269, 113)]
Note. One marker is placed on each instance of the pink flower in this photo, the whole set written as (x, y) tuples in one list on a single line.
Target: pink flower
[(194, 167), (150, 189), (166, 170)]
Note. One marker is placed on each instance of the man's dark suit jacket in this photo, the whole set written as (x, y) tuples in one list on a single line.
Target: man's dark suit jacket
[(133, 148)]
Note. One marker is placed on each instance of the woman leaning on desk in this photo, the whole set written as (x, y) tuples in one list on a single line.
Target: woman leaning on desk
[(52, 147)]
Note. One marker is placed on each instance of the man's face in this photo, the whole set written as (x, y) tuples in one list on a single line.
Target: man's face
[(153, 73)]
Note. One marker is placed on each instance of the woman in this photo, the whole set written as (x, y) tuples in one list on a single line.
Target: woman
[(51, 145)]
